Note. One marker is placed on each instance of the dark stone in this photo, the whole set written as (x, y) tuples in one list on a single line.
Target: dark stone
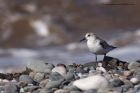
[(55, 76), (116, 82)]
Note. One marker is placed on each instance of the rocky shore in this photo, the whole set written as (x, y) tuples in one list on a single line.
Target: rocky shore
[(108, 76)]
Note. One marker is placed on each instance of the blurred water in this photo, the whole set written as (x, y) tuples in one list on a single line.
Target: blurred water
[(19, 58)]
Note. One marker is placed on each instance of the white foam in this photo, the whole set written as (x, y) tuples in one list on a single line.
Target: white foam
[(22, 52), (40, 27)]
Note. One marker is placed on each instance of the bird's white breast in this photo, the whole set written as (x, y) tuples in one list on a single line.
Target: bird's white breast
[(95, 47)]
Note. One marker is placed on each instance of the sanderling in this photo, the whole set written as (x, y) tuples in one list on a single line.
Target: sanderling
[(97, 45)]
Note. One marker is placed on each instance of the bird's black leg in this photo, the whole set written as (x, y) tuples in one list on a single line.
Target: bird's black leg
[(96, 57)]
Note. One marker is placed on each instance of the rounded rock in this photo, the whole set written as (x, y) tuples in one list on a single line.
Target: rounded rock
[(92, 82), (134, 80), (116, 82), (43, 83), (133, 65), (39, 76), (38, 66), (60, 69), (61, 91), (26, 79)]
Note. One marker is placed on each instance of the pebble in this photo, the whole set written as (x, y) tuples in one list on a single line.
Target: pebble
[(116, 82), (39, 76), (43, 83), (38, 66), (10, 88), (92, 82), (91, 91), (75, 78), (134, 80), (69, 76), (26, 79), (62, 91), (127, 73), (54, 84), (76, 92), (133, 65), (55, 76), (32, 74), (60, 69)]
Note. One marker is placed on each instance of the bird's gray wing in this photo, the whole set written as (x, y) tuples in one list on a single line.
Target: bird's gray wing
[(104, 44)]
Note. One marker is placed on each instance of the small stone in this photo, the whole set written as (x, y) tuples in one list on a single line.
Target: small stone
[(53, 84), (92, 82), (14, 81), (30, 88), (50, 66), (134, 80), (22, 84), (69, 76), (91, 91), (46, 91), (116, 82), (32, 74), (71, 68), (101, 69), (22, 90), (127, 73), (137, 87), (43, 83), (61, 91), (76, 91), (10, 88), (26, 79), (39, 76), (55, 76), (38, 66), (133, 65), (60, 69)]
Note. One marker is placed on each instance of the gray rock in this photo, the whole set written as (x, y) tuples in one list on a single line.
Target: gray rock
[(71, 88), (71, 68), (1, 88), (55, 76), (60, 69), (127, 85), (43, 83), (116, 82), (133, 65), (26, 79), (135, 80), (92, 82), (39, 76), (137, 87), (22, 84), (38, 66), (92, 65), (69, 76), (76, 91), (91, 91), (46, 91), (30, 88), (50, 66), (54, 84), (10, 88), (62, 91)]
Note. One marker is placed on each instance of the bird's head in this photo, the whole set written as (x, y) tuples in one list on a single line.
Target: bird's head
[(88, 36)]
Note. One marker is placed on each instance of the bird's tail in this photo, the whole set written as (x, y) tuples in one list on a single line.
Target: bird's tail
[(113, 47)]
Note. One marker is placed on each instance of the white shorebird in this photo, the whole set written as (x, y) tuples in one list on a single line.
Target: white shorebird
[(97, 45)]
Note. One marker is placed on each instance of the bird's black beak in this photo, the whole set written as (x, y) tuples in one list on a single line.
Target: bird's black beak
[(83, 39)]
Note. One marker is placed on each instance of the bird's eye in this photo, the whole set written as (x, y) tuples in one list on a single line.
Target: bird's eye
[(88, 35)]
